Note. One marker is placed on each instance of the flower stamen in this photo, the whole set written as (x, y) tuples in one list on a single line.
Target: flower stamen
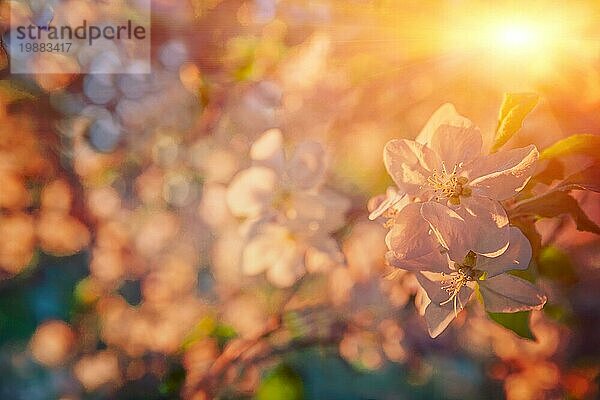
[(456, 280), (448, 185)]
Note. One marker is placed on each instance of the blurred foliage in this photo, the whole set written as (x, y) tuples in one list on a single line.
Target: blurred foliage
[(281, 383), (555, 264)]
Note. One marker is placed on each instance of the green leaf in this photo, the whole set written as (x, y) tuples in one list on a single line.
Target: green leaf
[(513, 111), (555, 264), (517, 322), (552, 205), (584, 144), (559, 313), (173, 381), (586, 179), (204, 328), (224, 333), (283, 383)]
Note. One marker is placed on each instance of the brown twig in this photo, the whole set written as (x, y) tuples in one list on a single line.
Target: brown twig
[(236, 352), (208, 383)]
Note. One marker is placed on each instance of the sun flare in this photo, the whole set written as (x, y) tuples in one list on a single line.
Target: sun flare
[(517, 36)]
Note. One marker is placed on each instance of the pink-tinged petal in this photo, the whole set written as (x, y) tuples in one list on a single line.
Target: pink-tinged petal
[(445, 115), (302, 208), (378, 205), (287, 269), (439, 316), (273, 251), (409, 164), (421, 301), (517, 256), (213, 207), (267, 150), (409, 237), (502, 175), (449, 228), (456, 146), (336, 207), (507, 293), (251, 191), (324, 211), (487, 224), (252, 226), (264, 250), (306, 169), (323, 254), (434, 261)]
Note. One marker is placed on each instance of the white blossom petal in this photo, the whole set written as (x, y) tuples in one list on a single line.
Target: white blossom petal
[(302, 208), (434, 261), (323, 211), (409, 164), (274, 251), (487, 224), (445, 115), (378, 205), (306, 169), (336, 207), (288, 268), (439, 316), (449, 228), (456, 146), (251, 191), (517, 256), (267, 150), (421, 301), (323, 254), (264, 250), (503, 174), (409, 237), (507, 293)]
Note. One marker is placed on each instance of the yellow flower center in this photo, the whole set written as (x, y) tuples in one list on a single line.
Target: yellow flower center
[(390, 214), (457, 279), (448, 185), (282, 201)]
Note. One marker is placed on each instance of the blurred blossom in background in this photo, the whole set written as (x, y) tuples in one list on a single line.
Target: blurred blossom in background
[(202, 231)]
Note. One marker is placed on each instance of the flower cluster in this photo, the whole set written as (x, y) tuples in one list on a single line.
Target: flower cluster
[(288, 217), (446, 223)]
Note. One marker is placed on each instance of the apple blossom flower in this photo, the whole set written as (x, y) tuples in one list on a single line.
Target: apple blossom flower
[(451, 278), (289, 216), (387, 205), (286, 254), (445, 164), (286, 190), (410, 238)]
